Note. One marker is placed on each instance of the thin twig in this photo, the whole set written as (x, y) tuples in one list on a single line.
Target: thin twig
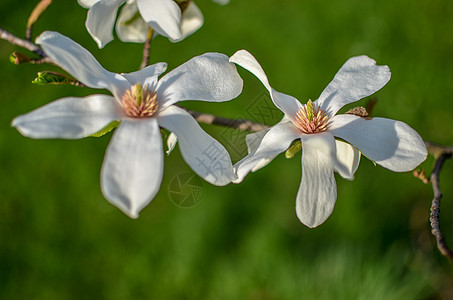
[(147, 49), (435, 207), (37, 12), (240, 124), (437, 150), (26, 44)]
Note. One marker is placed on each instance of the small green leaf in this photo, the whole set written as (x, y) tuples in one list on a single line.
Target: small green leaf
[(293, 150), (12, 58), (47, 77), (18, 58), (106, 129)]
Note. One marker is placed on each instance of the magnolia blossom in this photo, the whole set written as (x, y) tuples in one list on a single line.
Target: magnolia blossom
[(391, 144), (133, 165), (165, 17)]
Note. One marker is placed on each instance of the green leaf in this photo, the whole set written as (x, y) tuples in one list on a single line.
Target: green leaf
[(106, 129), (47, 77), (18, 58)]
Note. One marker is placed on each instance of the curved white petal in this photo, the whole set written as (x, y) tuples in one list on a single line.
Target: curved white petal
[(171, 142), (359, 77), (101, 19), (348, 156), (287, 104), (276, 140), (318, 191), (133, 165), (87, 3), (325, 142), (164, 16), (78, 62), (208, 77), (142, 75), (131, 27), (207, 157), (253, 140), (392, 144), (69, 118), (192, 20)]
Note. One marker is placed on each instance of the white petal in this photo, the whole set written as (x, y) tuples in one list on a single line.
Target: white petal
[(222, 2), (253, 140), (69, 118), (130, 27), (171, 142), (133, 165), (208, 77), (192, 20), (101, 19), (359, 77), (142, 75), (87, 3), (78, 62), (207, 157), (164, 16), (276, 140), (318, 191), (392, 144), (287, 104), (348, 156), (325, 142)]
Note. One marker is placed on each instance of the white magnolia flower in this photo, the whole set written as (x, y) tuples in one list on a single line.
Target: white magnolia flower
[(133, 166), (165, 17), (391, 144)]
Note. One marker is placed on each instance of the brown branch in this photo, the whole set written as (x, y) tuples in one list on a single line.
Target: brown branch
[(147, 49), (240, 124), (26, 44), (37, 12), (435, 207), (437, 150)]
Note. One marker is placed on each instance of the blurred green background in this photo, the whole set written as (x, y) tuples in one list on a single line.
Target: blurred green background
[(60, 239)]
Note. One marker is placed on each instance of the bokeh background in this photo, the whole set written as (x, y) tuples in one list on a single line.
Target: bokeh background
[(60, 239)]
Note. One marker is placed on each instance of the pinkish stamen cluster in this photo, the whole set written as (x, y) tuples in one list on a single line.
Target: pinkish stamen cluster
[(310, 119), (139, 102)]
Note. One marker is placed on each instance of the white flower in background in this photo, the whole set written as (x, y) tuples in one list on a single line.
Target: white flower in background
[(165, 17), (391, 144), (222, 2), (133, 166)]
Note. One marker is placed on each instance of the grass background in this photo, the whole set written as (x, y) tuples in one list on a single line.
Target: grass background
[(60, 239)]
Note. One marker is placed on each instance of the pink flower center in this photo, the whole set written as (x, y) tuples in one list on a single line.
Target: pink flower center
[(311, 119), (139, 102)]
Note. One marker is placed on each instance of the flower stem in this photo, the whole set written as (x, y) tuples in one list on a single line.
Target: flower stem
[(147, 49), (37, 12)]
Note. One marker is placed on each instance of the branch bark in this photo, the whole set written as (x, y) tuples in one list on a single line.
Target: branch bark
[(26, 44), (441, 154), (240, 124)]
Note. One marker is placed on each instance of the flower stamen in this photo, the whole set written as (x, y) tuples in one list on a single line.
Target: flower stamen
[(311, 119), (139, 102)]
